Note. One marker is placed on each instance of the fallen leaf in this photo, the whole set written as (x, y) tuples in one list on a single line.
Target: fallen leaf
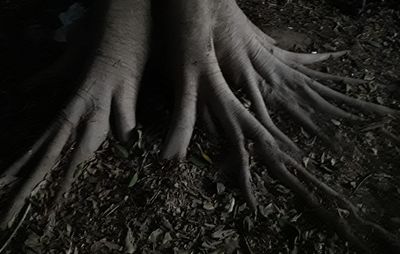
[(198, 161), (154, 237), (134, 180), (204, 155), (121, 151), (130, 245), (208, 206), (335, 122), (222, 234), (167, 238)]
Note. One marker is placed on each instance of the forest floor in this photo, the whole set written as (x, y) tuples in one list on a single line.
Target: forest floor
[(126, 201)]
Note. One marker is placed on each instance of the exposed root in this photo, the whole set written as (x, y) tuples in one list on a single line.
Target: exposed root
[(374, 229), (261, 111), (15, 229), (324, 76), (105, 101), (123, 112), (364, 106), (216, 52), (81, 122), (183, 120), (270, 76)]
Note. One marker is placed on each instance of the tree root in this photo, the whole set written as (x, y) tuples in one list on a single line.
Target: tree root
[(216, 51), (270, 76), (105, 103)]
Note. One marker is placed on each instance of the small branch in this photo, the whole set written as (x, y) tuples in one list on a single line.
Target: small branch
[(15, 230)]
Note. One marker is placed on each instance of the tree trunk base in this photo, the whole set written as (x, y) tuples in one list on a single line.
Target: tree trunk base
[(214, 52)]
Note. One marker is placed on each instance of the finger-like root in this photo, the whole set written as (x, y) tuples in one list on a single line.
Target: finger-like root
[(374, 229), (277, 161), (105, 102), (183, 120), (15, 229), (123, 112), (232, 130), (217, 51), (83, 123), (242, 58), (50, 146)]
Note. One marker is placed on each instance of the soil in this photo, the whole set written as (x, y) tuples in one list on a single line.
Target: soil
[(127, 201)]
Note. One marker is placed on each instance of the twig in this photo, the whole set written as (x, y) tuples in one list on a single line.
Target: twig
[(15, 230)]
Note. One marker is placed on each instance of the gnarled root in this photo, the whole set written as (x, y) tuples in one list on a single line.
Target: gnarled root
[(216, 51), (233, 54), (105, 102)]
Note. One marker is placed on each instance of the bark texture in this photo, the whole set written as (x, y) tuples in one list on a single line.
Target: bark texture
[(213, 52)]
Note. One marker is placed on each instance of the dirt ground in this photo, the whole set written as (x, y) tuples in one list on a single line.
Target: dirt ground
[(126, 201)]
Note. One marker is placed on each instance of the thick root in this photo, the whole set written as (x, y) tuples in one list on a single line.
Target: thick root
[(242, 58), (105, 102), (216, 51)]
